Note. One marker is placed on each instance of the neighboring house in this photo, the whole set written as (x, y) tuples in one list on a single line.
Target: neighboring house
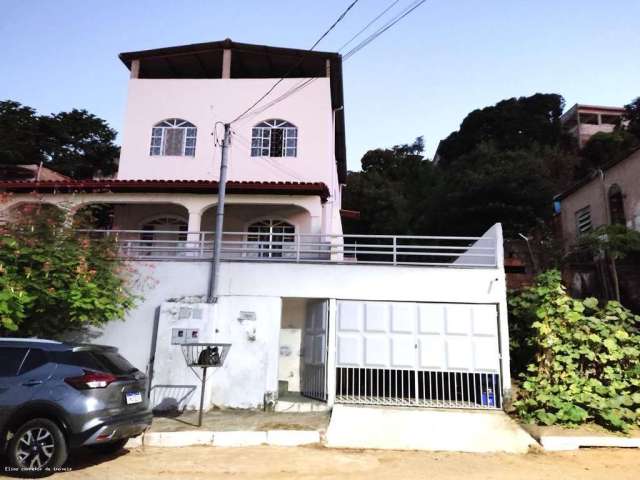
[(608, 196), (584, 121), (33, 173), (384, 320)]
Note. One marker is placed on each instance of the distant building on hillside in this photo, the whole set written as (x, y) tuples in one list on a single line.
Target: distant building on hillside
[(32, 172), (584, 121)]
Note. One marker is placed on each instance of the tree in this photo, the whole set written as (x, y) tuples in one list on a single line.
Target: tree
[(75, 143), (55, 280), (391, 192), (512, 124), (603, 148), (19, 134), (632, 115)]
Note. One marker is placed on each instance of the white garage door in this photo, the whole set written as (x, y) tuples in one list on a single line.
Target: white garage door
[(432, 354)]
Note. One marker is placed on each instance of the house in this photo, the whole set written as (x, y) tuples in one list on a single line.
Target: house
[(608, 196), (32, 172), (584, 121), (370, 320)]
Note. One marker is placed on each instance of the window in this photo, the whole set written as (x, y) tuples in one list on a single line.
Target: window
[(35, 359), (616, 205), (271, 236), (12, 358), (274, 138), (173, 137), (583, 221)]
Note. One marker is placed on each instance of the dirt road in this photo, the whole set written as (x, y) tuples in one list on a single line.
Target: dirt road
[(315, 463)]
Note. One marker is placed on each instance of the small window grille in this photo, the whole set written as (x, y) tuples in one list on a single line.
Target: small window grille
[(274, 138), (173, 137), (583, 221)]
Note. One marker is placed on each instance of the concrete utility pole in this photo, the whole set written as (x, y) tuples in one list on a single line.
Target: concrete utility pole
[(217, 238)]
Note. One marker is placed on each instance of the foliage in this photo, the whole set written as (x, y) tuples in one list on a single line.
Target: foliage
[(603, 148), (512, 124), (632, 115), (75, 143), (617, 241), (54, 280), (586, 358)]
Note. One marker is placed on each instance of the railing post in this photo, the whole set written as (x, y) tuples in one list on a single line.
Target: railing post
[(298, 240), (394, 250)]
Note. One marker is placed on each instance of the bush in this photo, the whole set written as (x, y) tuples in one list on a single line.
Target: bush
[(54, 280), (585, 365)]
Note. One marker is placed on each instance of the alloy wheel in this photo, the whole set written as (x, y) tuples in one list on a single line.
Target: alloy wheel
[(35, 448)]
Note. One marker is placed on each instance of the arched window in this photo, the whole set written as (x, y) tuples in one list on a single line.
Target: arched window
[(616, 205), (175, 137), (271, 236), (274, 138), (163, 234)]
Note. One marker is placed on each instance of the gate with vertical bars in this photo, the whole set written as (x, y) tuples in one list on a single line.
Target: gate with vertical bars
[(418, 354)]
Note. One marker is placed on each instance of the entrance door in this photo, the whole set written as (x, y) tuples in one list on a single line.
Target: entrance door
[(314, 350)]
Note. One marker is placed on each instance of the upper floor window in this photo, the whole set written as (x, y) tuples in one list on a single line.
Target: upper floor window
[(274, 138), (175, 137)]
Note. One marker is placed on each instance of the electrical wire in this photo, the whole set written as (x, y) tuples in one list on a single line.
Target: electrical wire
[(338, 20), (368, 25)]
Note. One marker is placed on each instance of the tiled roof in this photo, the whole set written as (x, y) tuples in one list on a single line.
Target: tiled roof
[(167, 186)]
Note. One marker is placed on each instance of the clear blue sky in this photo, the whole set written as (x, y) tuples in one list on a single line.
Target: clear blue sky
[(420, 78)]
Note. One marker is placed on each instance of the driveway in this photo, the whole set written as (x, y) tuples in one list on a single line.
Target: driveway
[(321, 463)]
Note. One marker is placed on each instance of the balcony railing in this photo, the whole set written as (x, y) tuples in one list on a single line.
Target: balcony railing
[(306, 248)]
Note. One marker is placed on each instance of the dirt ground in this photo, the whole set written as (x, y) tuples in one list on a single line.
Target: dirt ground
[(227, 420), (321, 463)]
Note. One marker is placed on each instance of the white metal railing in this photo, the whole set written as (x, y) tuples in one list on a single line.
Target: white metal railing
[(302, 247), (421, 388)]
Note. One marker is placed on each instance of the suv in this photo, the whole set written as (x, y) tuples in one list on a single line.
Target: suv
[(56, 396)]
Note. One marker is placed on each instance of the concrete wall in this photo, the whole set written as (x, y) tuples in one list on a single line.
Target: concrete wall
[(626, 174)]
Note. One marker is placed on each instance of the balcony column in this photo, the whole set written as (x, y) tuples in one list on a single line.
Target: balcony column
[(194, 235)]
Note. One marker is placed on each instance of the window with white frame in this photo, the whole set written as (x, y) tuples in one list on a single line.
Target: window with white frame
[(270, 237), (274, 138), (173, 137), (583, 221)]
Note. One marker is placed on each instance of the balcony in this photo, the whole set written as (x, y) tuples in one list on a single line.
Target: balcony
[(171, 245)]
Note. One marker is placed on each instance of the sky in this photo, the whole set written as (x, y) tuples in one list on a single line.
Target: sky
[(420, 78)]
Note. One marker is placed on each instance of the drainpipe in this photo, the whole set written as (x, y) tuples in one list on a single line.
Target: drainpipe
[(217, 238)]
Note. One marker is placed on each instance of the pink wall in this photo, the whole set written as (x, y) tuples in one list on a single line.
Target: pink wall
[(204, 102)]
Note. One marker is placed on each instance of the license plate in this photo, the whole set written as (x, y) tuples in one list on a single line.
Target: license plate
[(133, 397)]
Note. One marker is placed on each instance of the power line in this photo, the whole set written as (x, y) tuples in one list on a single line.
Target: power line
[(368, 25), (338, 20), (382, 29)]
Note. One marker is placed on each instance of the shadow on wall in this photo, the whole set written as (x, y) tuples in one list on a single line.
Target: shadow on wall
[(170, 399)]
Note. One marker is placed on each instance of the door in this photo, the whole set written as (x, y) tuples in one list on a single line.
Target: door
[(430, 354), (314, 350)]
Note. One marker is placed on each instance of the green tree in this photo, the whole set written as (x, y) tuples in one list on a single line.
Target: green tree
[(75, 143), (632, 115), (603, 148), (55, 280)]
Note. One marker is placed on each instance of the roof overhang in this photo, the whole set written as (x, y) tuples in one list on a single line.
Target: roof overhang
[(166, 186)]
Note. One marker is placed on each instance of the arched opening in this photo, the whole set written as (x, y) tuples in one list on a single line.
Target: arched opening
[(271, 238), (616, 205)]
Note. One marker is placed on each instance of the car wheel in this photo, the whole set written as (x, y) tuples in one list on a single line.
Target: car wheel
[(37, 447), (110, 447)]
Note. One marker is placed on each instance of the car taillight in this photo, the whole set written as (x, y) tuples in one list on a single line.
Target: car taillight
[(91, 380)]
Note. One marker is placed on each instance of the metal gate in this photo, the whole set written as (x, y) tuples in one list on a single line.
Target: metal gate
[(418, 354), (314, 350)]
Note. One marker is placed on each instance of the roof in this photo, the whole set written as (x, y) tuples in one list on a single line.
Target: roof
[(584, 181), (29, 172), (166, 186), (204, 60)]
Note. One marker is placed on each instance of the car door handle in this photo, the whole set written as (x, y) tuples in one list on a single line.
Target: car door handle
[(32, 383)]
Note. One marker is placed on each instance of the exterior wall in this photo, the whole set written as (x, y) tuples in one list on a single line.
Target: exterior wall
[(626, 174), (205, 102)]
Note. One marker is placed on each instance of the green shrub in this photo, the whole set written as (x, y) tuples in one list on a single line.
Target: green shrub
[(54, 280), (585, 365)]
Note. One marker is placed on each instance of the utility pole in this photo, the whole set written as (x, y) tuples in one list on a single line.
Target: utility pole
[(217, 237)]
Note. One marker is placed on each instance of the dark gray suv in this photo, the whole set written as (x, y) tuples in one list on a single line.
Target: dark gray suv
[(56, 396)]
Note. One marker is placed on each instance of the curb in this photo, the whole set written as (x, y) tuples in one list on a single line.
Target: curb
[(553, 443), (281, 438)]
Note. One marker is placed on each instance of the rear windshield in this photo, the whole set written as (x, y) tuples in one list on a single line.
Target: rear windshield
[(103, 361)]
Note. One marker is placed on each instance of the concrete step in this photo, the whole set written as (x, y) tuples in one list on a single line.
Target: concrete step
[(304, 406)]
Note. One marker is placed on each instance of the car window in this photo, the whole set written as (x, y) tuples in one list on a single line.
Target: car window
[(10, 360), (35, 358), (103, 361)]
